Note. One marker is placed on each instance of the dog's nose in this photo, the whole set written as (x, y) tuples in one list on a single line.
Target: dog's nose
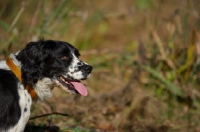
[(87, 68)]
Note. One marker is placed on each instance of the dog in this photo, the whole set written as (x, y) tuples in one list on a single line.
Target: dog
[(30, 75)]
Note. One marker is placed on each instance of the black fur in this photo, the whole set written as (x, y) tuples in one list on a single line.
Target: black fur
[(9, 100), (39, 61)]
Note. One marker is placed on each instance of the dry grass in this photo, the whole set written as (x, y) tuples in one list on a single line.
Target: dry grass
[(145, 56)]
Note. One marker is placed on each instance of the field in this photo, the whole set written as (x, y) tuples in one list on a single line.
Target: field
[(145, 56)]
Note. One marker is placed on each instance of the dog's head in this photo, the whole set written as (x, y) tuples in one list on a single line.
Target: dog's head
[(56, 60)]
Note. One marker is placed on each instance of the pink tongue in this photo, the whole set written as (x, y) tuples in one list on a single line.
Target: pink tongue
[(80, 88)]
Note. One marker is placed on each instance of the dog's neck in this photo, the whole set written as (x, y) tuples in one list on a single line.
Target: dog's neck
[(41, 90)]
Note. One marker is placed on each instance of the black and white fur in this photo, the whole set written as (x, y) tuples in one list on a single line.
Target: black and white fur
[(41, 64)]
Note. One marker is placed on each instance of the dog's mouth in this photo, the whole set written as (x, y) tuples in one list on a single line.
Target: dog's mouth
[(73, 85)]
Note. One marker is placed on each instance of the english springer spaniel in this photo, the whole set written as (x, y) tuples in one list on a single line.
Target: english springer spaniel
[(32, 73)]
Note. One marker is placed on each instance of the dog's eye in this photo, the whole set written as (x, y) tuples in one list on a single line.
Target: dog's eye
[(64, 57)]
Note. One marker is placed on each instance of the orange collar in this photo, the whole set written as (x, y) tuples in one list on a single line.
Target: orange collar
[(17, 73)]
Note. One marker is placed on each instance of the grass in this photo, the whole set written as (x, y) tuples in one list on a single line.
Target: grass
[(145, 56)]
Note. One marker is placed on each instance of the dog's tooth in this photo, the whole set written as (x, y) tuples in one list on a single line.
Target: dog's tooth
[(62, 79)]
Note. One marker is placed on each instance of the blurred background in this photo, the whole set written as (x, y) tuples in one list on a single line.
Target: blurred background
[(145, 55)]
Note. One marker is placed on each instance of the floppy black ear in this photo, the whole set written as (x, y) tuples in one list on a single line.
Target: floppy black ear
[(32, 60)]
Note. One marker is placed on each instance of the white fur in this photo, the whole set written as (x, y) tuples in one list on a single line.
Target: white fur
[(25, 102), (3, 65), (43, 88), (13, 58), (73, 69)]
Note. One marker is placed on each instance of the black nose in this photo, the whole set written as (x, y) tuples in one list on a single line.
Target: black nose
[(87, 68)]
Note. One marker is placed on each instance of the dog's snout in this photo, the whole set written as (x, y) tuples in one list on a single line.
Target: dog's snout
[(87, 68)]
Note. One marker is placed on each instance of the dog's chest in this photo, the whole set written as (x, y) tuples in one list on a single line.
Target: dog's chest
[(25, 102)]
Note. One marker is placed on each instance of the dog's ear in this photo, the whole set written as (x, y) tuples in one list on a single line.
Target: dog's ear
[(32, 61)]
